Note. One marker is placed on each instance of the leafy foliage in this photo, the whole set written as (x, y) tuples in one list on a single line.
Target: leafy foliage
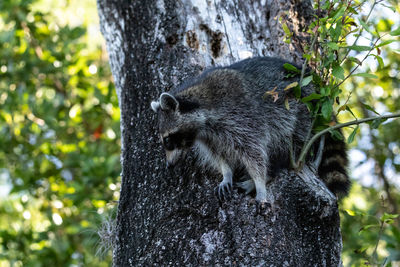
[(334, 26), (59, 128), (355, 62)]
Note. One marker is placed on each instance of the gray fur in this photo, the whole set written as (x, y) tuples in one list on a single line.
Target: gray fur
[(225, 116)]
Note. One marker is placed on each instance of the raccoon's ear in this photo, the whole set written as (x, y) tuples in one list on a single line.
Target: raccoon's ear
[(168, 102), (155, 105)]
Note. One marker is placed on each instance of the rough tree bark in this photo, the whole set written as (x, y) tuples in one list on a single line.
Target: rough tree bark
[(172, 217)]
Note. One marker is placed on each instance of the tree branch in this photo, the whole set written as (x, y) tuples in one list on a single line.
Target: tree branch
[(353, 70), (338, 126), (361, 30)]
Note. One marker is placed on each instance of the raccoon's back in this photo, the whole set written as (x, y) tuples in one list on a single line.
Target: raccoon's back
[(268, 73), (248, 80)]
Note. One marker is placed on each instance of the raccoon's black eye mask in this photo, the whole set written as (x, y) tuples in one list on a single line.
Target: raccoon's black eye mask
[(182, 139), (168, 144)]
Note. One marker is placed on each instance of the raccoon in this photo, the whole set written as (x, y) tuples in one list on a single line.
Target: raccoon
[(226, 117)]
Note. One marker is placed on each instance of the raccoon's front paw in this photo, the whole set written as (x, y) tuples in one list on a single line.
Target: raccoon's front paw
[(224, 191)]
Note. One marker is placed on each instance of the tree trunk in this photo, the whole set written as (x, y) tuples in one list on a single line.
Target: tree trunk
[(172, 217)]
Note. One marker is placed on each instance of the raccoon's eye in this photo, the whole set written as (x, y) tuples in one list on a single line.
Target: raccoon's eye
[(168, 144)]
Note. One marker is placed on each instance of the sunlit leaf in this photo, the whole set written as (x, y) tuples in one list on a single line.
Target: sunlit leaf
[(350, 212)]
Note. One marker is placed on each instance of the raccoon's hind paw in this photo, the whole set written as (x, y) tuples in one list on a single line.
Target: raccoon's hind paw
[(223, 191)]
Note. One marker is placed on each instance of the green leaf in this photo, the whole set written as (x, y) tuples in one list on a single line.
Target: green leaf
[(339, 12), (354, 59), (333, 45), (325, 91), (307, 56), (313, 96), (366, 75), (291, 68), (327, 109), (350, 212), (380, 61), (352, 10), (366, 227), (376, 123), (352, 135), (365, 26), (335, 33), (336, 134), (306, 80), (395, 32), (337, 71), (385, 43), (351, 112), (286, 29), (355, 213), (368, 107), (287, 40), (359, 48), (388, 218), (297, 91)]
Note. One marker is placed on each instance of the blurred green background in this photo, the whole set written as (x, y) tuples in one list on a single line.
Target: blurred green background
[(59, 134), (60, 141)]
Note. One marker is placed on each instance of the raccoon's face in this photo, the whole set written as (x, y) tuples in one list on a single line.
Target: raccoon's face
[(177, 126)]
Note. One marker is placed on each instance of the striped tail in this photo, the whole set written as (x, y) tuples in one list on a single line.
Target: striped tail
[(333, 167)]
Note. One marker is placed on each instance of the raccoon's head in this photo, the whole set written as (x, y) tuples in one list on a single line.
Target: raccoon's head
[(178, 124)]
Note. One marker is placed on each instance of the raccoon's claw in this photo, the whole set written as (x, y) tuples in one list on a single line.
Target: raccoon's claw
[(224, 191), (262, 207)]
